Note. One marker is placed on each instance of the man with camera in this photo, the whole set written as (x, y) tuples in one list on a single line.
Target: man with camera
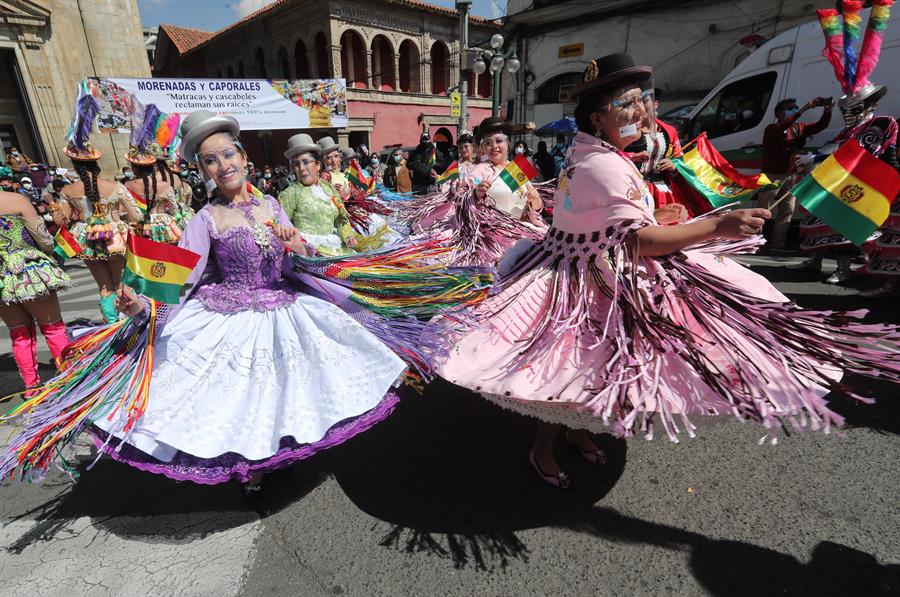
[(782, 140)]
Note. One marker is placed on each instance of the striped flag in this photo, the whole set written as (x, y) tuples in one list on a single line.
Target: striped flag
[(359, 177), (432, 159), (851, 191), (451, 173), (157, 270), (710, 174), (142, 205), (516, 174), (66, 245)]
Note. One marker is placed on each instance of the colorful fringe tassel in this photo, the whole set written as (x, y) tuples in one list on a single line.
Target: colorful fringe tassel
[(852, 34), (871, 47), (830, 20), (105, 373)]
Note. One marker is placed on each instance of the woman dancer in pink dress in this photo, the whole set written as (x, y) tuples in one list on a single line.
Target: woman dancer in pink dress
[(614, 321)]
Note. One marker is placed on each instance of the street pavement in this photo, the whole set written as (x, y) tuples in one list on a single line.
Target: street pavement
[(439, 500)]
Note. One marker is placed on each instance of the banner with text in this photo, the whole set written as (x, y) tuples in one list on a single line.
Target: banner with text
[(257, 104)]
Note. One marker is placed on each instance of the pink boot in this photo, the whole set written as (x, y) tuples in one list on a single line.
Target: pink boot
[(56, 337), (24, 349)]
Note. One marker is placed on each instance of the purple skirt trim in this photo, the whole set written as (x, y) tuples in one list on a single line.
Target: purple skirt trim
[(210, 471)]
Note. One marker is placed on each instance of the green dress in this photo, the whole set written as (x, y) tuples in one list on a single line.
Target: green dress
[(318, 213), (27, 273)]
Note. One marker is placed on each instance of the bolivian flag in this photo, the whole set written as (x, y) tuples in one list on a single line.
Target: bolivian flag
[(517, 173), (451, 173), (360, 178), (851, 191), (66, 245), (432, 159), (157, 270), (711, 175)]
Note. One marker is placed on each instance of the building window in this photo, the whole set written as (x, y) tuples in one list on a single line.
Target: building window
[(726, 113), (409, 67), (440, 68), (353, 60), (229, 71), (240, 70), (261, 63), (484, 84), (556, 90), (322, 69), (383, 64), (283, 61), (301, 68)]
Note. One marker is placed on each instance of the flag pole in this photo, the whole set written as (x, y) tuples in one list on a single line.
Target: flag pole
[(688, 144)]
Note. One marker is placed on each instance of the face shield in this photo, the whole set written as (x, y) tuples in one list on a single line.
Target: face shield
[(649, 96)]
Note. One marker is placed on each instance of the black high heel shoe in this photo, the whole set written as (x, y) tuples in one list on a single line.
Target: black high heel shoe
[(560, 480), (597, 456)]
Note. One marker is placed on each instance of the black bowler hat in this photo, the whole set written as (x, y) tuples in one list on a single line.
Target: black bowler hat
[(465, 138), (491, 125), (610, 72)]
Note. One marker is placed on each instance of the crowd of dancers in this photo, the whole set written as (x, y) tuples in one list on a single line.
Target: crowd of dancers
[(310, 314)]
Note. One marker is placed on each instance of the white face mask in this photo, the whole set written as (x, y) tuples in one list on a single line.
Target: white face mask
[(374, 162), (629, 130), (747, 114), (26, 186), (520, 150)]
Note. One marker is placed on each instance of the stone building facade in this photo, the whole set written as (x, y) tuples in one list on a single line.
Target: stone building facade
[(400, 59), (46, 48)]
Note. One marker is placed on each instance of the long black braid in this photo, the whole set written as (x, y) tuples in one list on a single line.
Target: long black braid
[(89, 172), (147, 174), (163, 168)]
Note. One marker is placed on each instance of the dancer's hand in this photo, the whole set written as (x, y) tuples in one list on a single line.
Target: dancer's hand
[(534, 200), (284, 233), (673, 213), (127, 302), (665, 165), (299, 246), (482, 189), (352, 242), (742, 223)]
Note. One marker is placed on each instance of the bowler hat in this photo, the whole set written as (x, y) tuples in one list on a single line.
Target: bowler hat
[(610, 72), (327, 145), (201, 124), (491, 125), (301, 143)]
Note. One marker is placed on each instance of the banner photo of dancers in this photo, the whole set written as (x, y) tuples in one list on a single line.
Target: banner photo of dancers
[(257, 104)]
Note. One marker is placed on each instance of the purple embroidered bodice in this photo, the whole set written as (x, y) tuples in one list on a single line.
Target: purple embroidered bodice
[(249, 275)]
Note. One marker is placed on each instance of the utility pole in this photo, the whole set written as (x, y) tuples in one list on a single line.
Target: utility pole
[(463, 7)]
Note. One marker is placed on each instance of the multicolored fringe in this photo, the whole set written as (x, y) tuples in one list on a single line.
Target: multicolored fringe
[(105, 373), (852, 35), (871, 47), (729, 340), (830, 20), (396, 290)]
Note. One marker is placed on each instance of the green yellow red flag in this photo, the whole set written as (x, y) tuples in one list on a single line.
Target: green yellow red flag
[(359, 177), (711, 175), (66, 245), (432, 159), (157, 270), (451, 173), (851, 191), (517, 173)]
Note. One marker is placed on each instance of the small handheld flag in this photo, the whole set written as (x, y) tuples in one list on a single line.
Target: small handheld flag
[(359, 177), (432, 159), (516, 174), (713, 177), (851, 191), (66, 245), (157, 270), (451, 173)]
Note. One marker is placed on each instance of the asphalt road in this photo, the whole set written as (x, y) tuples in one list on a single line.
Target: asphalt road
[(439, 500)]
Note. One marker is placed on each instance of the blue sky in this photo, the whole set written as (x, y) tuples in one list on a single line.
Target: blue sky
[(212, 15)]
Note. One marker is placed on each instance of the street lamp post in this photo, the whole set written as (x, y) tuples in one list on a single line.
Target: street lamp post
[(497, 59)]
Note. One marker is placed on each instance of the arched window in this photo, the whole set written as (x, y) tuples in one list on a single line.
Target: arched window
[(219, 73), (240, 70), (353, 60), (440, 67), (261, 64), (409, 67), (556, 90), (229, 72), (322, 57), (283, 61), (301, 69), (472, 79), (383, 64)]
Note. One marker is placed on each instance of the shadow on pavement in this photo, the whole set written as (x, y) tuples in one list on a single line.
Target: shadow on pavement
[(733, 568), (449, 472)]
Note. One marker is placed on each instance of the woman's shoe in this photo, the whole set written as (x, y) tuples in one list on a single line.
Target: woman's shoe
[(560, 480), (597, 456)]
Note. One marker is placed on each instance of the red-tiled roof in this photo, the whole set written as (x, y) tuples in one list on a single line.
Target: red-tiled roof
[(184, 38), (276, 3)]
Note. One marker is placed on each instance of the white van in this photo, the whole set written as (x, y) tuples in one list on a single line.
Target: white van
[(790, 65)]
